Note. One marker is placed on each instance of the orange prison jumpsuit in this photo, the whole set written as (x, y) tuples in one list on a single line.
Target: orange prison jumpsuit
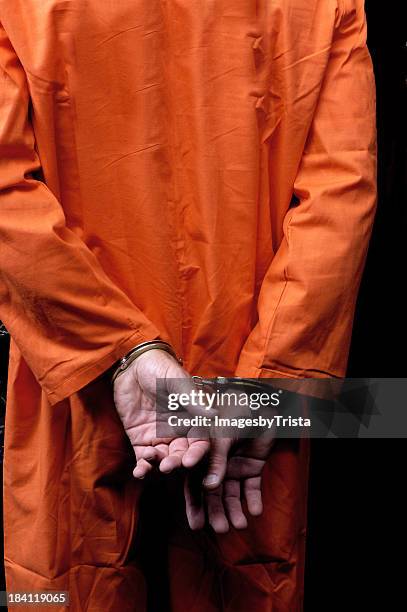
[(199, 170)]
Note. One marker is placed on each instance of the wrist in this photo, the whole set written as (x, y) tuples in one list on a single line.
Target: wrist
[(122, 364)]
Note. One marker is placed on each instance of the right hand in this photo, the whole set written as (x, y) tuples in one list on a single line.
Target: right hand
[(135, 399)]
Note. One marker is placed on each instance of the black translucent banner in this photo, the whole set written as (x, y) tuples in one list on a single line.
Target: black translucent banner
[(282, 407)]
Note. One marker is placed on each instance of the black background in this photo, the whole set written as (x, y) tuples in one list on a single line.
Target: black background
[(357, 510)]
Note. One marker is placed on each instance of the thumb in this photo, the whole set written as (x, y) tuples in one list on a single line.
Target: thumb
[(218, 457)]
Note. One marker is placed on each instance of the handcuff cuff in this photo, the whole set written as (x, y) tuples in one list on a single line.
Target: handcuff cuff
[(122, 364), (223, 382)]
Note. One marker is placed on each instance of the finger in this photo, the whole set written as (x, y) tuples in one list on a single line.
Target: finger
[(196, 451), (216, 512), (252, 494), (233, 504), (176, 451), (194, 501), (170, 463), (218, 457), (163, 450), (142, 468), (149, 453), (244, 467)]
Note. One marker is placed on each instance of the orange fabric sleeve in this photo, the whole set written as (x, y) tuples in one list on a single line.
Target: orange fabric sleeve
[(67, 318), (307, 299)]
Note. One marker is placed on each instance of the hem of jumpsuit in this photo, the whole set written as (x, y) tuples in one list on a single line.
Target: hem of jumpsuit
[(90, 372)]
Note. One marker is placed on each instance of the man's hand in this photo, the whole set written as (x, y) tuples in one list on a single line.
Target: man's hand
[(135, 399), (233, 477), (235, 466)]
